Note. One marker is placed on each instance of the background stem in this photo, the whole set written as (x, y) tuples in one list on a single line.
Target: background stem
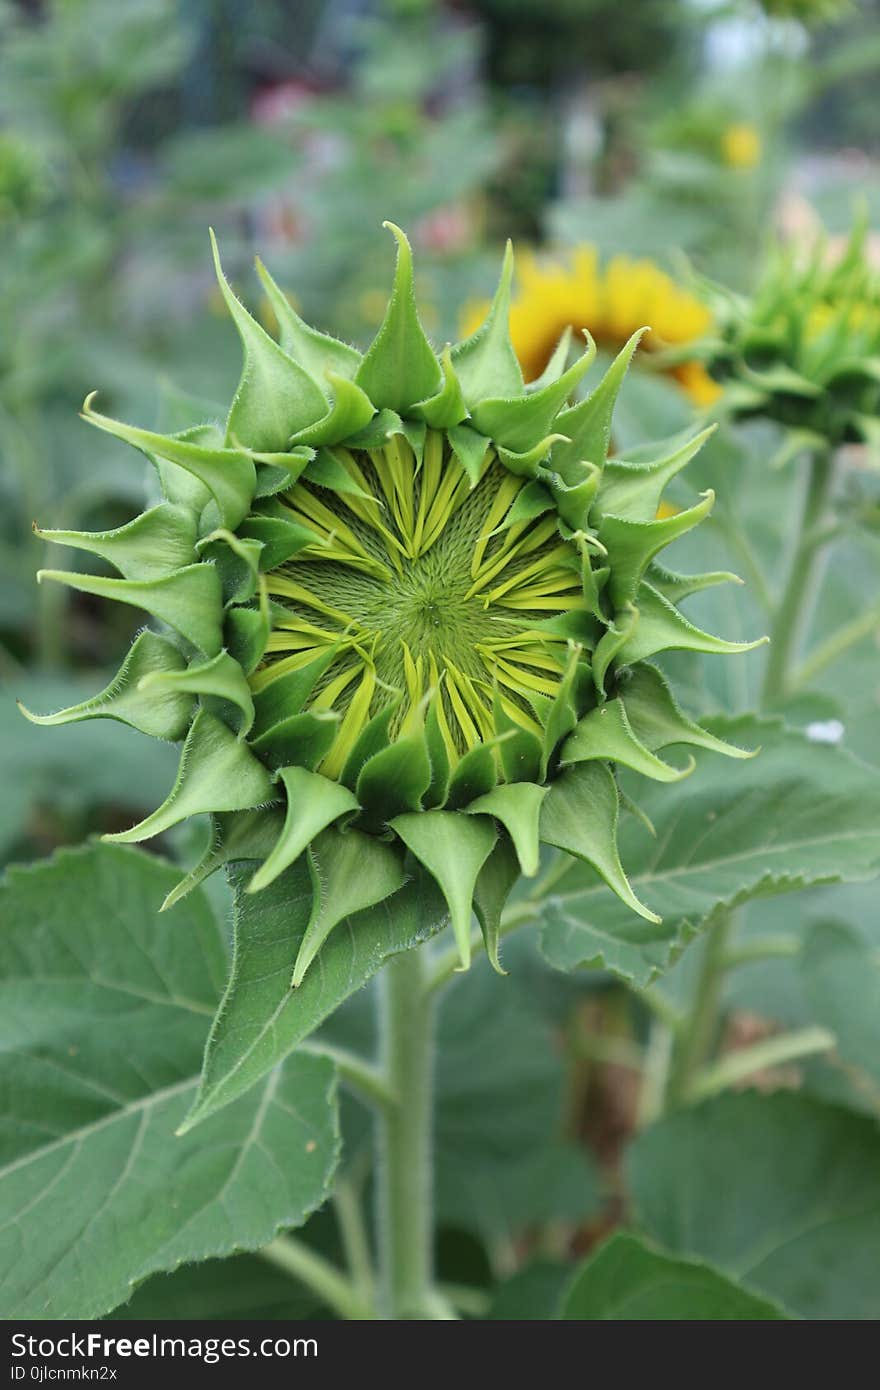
[(405, 1226), (702, 1024), (319, 1275), (797, 600)]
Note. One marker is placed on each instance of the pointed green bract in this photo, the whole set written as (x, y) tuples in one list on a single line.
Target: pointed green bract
[(246, 632), (235, 835), (448, 407), (276, 398), (155, 544), (228, 475), (657, 721), (299, 740), (486, 364), (400, 368), (474, 776), (469, 447), (632, 545), (519, 423), (606, 734), (188, 600), (580, 816), (661, 628), (394, 780), (556, 362), (217, 773), (350, 871), (633, 490), (165, 714), (313, 803), (237, 561), (588, 425), (518, 808), (676, 587), (491, 891), (221, 679), (453, 849), (317, 352), (351, 411)]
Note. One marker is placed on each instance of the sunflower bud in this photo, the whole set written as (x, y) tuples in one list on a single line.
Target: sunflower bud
[(406, 611), (805, 349)]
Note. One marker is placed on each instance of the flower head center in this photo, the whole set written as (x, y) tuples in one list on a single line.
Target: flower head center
[(423, 584)]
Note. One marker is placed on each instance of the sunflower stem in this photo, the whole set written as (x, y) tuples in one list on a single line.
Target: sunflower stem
[(790, 623), (355, 1240), (798, 597), (405, 1225), (701, 1028)]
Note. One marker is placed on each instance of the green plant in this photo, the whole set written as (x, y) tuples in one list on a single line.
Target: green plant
[(804, 353), (408, 612)]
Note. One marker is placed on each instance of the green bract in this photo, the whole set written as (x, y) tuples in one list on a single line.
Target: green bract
[(407, 607), (805, 349)]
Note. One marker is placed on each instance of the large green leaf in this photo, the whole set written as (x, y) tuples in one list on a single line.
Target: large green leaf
[(105, 1007), (800, 813), (229, 1290), (261, 1018), (841, 973), (533, 1294), (629, 1281), (781, 1191)]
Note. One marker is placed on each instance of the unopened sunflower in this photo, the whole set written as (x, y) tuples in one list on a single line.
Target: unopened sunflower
[(804, 350), (558, 296), (405, 613)]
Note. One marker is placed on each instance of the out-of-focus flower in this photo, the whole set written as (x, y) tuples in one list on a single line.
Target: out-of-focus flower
[(741, 145), (804, 350), (613, 301)]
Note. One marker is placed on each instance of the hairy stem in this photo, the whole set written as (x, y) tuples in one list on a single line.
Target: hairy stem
[(797, 600), (359, 1076), (405, 1231)]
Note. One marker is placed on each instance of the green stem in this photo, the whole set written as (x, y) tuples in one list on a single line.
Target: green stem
[(790, 622), (405, 1231), (762, 948), (361, 1077), (771, 1052), (349, 1217), (658, 1056), (798, 596), (702, 1023), (319, 1275)]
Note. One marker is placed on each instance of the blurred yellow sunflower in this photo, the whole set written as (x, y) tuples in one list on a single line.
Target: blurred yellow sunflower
[(741, 146), (612, 301)]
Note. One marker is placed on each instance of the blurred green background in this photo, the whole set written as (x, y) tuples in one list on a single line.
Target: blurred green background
[(663, 129)]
